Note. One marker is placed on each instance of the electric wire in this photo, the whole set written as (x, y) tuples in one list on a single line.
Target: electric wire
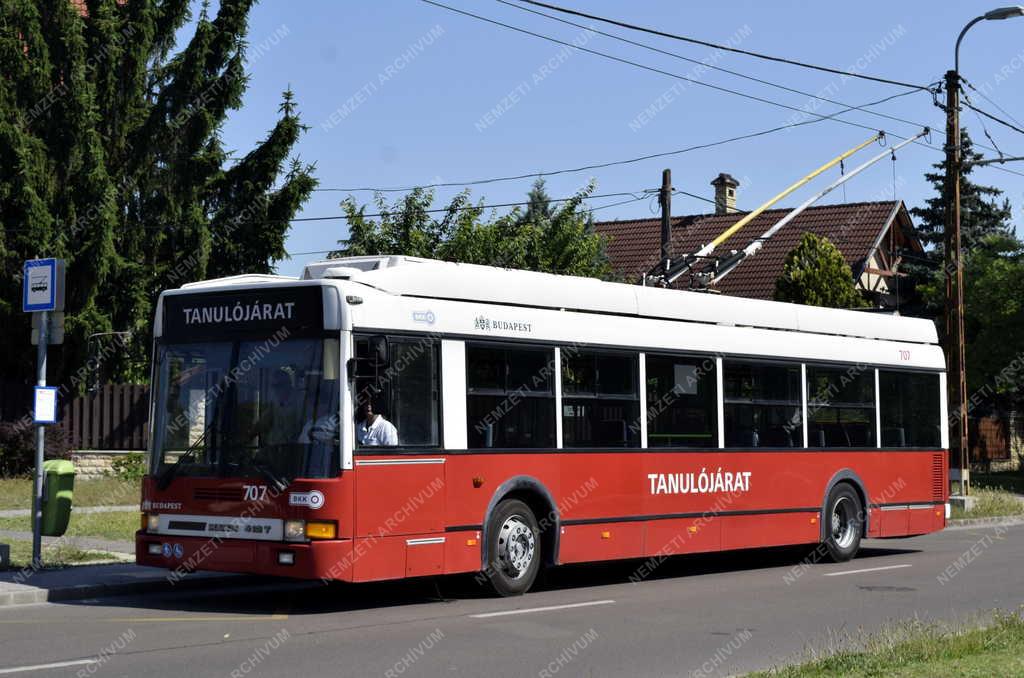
[(988, 115), (590, 210), (711, 66), (818, 116), (991, 101), (654, 69), (612, 163), (705, 43)]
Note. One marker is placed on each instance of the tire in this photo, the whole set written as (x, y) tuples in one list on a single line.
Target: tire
[(843, 523), (513, 548)]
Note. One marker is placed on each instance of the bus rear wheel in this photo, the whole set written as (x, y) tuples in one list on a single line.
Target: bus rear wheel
[(513, 548), (844, 523)]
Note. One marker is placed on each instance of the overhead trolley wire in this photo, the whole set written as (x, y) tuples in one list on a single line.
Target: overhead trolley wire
[(738, 74), (705, 43), (991, 101), (653, 69), (771, 102), (459, 209), (988, 115), (612, 163)]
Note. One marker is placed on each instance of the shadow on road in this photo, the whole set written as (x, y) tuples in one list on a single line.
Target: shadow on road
[(260, 596)]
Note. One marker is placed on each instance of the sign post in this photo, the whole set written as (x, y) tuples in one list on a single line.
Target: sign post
[(43, 293)]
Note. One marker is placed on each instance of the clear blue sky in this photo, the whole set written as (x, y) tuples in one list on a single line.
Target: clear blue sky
[(425, 119)]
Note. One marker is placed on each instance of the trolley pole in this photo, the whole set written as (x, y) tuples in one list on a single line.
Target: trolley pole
[(37, 494)]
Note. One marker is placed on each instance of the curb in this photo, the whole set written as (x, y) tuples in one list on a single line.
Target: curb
[(32, 596), (955, 523)]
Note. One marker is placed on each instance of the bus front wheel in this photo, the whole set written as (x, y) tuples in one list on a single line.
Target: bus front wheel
[(844, 523), (513, 548)]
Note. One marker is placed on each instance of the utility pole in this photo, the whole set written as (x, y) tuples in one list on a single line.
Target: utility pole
[(954, 269), (665, 198)]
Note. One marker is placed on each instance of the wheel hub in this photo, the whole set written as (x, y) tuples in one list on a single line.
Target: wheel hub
[(844, 523), (517, 546)]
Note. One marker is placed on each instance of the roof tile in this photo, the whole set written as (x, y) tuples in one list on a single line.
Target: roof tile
[(634, 246)]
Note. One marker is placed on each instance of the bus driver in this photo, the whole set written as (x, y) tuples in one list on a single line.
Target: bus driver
[(373, 429)]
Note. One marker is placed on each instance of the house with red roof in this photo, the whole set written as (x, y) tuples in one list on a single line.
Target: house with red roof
[(872, 236)]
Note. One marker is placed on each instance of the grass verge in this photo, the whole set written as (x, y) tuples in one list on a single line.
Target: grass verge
[(918, 651), (62, 555), (1011, 481), (16, 493), (113, 525), (991, 502)]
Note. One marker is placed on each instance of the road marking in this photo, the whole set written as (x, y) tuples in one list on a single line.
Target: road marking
[(867, 569), (55, 665), (548, 608)]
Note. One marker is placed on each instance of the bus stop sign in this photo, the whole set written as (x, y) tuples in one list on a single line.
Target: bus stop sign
[(43, 285)]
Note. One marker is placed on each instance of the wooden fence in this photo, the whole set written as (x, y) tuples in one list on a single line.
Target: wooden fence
[(114, 417)]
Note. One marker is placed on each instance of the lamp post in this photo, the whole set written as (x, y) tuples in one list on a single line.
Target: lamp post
[(953, 252)]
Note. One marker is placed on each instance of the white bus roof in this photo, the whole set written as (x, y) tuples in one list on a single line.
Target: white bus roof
[(433, 279)]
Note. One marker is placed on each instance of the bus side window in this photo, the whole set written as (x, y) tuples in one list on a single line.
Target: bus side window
[(763, 405), (600, 399), (405, 392), (840, 406), (682, 409), (510, 399), (909, 402)]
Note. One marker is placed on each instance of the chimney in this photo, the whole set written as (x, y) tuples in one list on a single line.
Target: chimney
[(725, 193)]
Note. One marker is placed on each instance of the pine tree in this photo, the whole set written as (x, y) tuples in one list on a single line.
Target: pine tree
[(111, 157), (982, 213), (540, 207)]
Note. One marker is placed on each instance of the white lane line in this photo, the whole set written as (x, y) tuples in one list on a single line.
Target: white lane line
[(55, 665), (548, 608), (867, 569)]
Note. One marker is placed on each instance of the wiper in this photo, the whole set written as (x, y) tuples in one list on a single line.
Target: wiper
[(268, 474), (165, 478)]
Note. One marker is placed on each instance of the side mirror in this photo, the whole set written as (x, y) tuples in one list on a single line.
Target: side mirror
[(378, 356), (379, 351)]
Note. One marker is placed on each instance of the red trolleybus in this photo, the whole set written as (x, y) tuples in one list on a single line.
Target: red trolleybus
[(389, 417)]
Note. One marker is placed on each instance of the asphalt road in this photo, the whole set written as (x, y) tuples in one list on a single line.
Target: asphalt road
[(694, 616)]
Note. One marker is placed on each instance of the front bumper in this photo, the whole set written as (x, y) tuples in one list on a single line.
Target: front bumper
[(329, 559)]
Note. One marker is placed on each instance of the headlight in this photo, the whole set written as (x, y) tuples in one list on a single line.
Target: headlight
[(151, 522), (321, 529), (295, 530)]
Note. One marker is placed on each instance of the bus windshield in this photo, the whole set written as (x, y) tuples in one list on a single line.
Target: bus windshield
[(255, 408)]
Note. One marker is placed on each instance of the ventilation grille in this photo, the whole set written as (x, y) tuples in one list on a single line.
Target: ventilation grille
[(217, 494), (938, 478)]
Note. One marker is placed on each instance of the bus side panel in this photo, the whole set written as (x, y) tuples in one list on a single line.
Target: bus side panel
[(402, 496)]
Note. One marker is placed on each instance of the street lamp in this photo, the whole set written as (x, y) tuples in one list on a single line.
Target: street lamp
[(954, 253)]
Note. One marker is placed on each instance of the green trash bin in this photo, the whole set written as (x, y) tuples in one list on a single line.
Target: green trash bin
[(58, 488)]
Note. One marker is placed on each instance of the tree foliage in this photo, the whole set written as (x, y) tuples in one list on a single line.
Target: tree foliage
[(111, 158), (816, 274), (993, 319), (984, 212), (540, 238)]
